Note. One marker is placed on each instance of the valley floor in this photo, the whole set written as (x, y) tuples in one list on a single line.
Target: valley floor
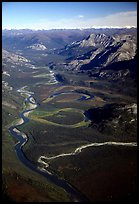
[(97, 158)]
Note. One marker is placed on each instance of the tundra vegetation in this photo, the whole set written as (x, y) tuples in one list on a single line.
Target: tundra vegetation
[(84, 126)]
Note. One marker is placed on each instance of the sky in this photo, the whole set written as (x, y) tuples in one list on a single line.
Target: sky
[(68, 15)]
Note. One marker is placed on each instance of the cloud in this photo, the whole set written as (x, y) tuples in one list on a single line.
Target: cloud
[(122, 19), (80, 16)]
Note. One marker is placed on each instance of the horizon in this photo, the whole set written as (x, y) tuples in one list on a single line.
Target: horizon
[(132, 27), (68, 15)]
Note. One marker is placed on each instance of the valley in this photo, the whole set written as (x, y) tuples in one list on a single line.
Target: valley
[(78, 102)]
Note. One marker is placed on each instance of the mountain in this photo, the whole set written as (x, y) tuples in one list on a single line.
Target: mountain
[(87, 104), (37, 47), (16, 62), (14, 40), (99, 52), (13, 58)]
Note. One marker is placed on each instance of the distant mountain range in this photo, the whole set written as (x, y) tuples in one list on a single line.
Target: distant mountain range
[(102, 53), (56, 38), (103, 56)]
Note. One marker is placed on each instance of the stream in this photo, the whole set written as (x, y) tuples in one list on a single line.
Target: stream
[(22, 140)]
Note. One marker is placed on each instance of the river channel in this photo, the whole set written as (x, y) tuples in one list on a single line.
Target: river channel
[(22, 140), (74, 194)]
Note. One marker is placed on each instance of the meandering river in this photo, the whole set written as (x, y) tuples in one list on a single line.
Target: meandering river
[(22, 140)]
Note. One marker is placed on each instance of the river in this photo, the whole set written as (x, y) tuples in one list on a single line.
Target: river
[(22, 140)]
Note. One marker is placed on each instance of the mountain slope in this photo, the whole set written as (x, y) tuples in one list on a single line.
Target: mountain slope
[(100, 52)]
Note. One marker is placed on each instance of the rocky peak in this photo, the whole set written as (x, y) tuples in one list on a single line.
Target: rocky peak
[(13, 58), (97, 40)]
